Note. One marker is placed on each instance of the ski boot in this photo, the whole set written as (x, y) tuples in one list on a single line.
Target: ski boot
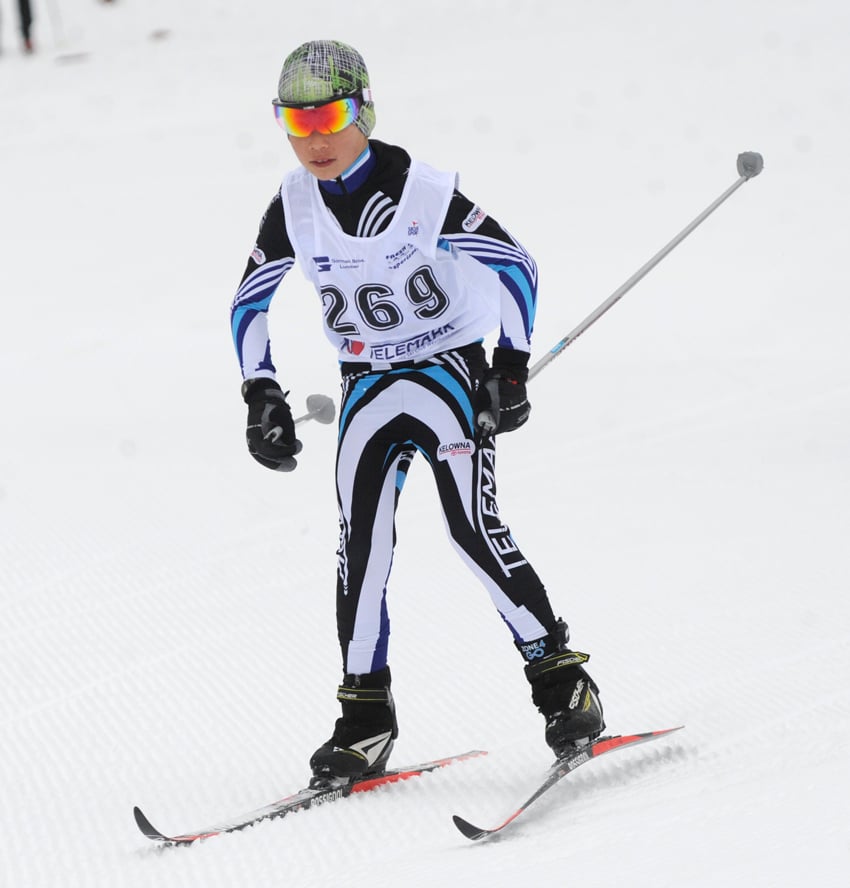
[(564, 693), (363, 738)]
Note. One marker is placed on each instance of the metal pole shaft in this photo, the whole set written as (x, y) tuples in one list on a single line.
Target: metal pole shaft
[(637, 276)]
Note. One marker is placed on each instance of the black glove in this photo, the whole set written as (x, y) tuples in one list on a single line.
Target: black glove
[(271, 430), (501, 404)]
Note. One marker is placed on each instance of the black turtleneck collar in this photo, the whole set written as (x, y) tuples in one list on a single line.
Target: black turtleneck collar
[(352, 178), (380, 170)]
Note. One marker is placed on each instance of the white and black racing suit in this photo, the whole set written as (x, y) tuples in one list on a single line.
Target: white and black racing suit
[(411, 275)]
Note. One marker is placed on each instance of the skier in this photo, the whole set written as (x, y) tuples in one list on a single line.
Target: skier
[(25, 22), (411, 275)]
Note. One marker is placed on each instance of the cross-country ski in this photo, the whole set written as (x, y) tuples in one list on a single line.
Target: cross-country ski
[(558, 771), (300, 801)]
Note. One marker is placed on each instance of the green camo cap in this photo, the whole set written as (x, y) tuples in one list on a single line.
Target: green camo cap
[(322, 70)]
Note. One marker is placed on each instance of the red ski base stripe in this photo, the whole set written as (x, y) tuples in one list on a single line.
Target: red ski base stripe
[(558, 771), (299, 801), (607, 744), (406, 773)]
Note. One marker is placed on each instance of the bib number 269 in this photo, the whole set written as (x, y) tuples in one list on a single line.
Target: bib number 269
[(377, 307)]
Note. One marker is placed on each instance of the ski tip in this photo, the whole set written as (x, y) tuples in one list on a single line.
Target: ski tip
[(645, 735), (470, 831), (151, 832), (146, 826), (671, 730)]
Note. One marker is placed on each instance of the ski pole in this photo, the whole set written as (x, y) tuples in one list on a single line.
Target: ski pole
[(750, 164), (319, 407)]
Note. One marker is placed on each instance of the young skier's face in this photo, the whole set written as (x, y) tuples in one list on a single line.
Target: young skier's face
[(328, 155)]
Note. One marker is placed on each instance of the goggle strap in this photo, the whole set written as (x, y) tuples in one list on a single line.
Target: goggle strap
[(364, 94)]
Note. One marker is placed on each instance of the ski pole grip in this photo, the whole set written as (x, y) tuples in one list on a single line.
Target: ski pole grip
[(487, 422)]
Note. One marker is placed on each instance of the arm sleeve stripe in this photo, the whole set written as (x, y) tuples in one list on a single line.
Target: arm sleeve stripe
[(516, 269), (517, 284), (261, 280), (252, 299), (242, 316)]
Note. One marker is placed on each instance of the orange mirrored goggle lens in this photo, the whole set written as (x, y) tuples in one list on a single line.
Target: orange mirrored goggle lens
[(332, 117)]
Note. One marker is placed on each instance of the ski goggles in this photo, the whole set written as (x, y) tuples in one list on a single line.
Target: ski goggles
[(332, 117)]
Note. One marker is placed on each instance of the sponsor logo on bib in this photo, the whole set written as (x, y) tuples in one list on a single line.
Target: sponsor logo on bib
[(354, 346), (326, 263), (399, 257)]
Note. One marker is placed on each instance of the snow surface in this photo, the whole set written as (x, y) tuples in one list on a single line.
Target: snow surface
[(683, 486)]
